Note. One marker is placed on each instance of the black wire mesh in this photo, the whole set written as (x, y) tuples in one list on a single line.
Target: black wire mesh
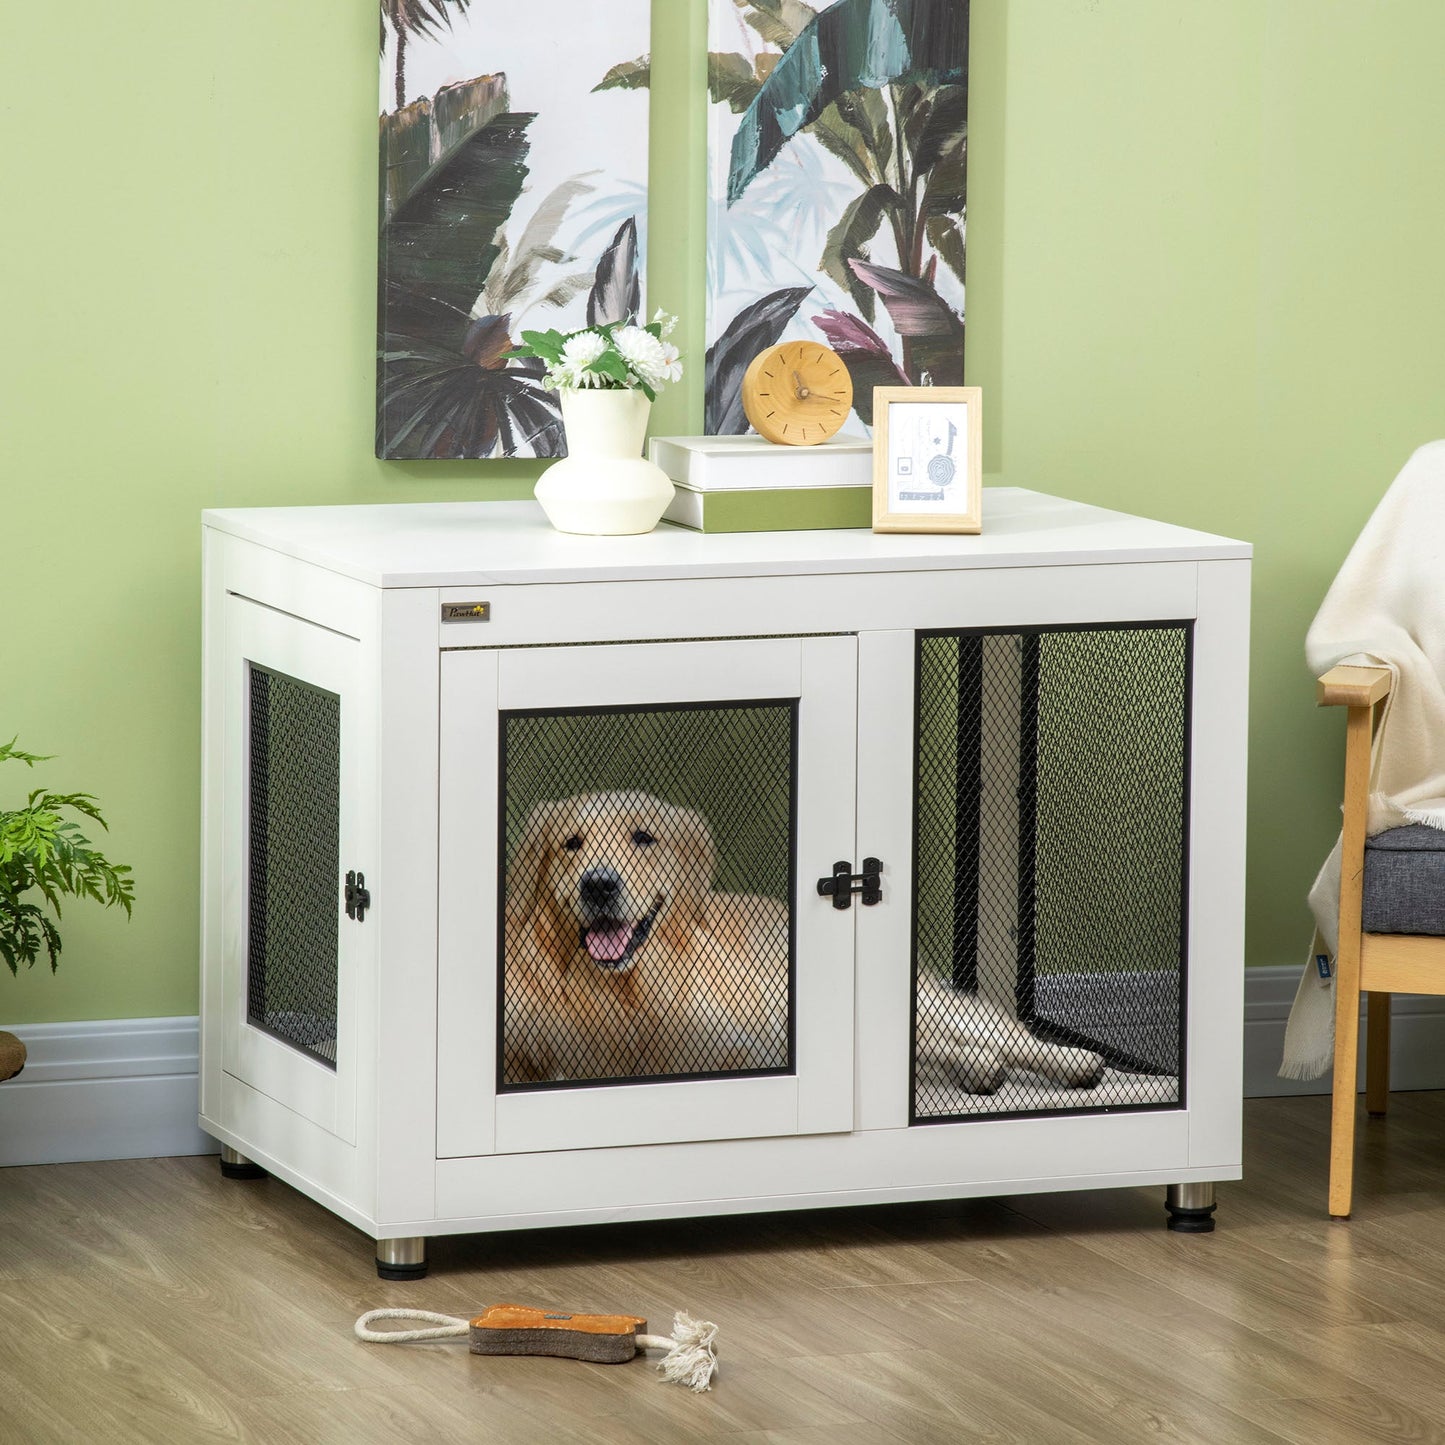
[(647, 884), (1050, 866), (294, 819)]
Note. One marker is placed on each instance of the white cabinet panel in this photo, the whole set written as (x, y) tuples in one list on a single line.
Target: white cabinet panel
[(297, 749), (655, 818)]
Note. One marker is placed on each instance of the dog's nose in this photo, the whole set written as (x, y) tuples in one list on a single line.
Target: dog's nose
[(600, 887)]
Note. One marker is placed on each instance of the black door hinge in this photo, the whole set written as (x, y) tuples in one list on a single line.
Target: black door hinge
[(358, 895), (843, 883)]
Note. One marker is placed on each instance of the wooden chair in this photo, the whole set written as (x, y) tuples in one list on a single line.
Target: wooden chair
[(1377, 963)]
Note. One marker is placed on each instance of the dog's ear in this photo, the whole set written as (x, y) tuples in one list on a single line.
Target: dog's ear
[(529, 862), (691, 841)]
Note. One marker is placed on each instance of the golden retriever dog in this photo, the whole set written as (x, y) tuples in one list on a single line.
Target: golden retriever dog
[(622, 962)]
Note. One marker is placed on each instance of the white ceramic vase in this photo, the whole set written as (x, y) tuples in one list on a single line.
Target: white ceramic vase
[(604, 486)]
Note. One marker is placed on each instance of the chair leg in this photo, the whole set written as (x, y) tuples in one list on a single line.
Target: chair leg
[(1377, 1053), (1347, 960), (1344, 1097)]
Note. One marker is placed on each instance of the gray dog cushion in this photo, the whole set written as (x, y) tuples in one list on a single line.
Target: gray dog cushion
[(1405, 881)]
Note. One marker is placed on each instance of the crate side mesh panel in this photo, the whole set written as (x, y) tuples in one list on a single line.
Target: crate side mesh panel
[(294, 845), (1050, 869), (647, 927)]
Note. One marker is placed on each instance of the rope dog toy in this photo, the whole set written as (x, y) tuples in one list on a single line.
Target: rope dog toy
[(691, 1357)]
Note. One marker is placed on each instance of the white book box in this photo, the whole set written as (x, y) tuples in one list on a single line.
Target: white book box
[(550, 879)]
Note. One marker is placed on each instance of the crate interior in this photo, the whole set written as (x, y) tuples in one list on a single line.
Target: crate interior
[(647, 887), (1051, 868)]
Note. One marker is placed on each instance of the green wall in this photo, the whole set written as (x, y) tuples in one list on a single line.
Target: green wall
[(1205, 285)]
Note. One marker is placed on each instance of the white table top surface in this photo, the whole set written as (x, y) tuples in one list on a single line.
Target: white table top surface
[(465, 544)]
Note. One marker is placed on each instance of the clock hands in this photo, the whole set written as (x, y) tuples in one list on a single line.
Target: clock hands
[(804, 392)]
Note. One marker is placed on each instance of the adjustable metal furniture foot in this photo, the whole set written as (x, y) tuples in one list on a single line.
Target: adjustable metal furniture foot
[(403, 1258), (1191, 1208), (235, 1165)]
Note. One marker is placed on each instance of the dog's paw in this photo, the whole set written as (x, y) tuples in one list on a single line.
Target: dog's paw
[(1090, 1075), (980, 1080)]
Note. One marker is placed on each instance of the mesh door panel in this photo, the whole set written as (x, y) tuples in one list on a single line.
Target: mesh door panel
[(647, 928), (294, 857), (1051, 868)]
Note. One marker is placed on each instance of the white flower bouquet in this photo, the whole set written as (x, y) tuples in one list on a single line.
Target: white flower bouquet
[(620, 356)]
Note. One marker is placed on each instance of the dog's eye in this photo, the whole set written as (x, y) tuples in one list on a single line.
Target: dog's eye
[(643, 839), (573, 843)]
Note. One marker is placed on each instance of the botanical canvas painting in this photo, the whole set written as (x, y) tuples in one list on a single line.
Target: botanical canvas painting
[(837, 138), (513, 196)]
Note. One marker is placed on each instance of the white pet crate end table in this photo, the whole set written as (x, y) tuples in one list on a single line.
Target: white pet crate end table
[(550, 879)]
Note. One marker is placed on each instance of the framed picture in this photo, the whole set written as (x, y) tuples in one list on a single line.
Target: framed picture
[(812, 192), (927, 459), (514, 149)]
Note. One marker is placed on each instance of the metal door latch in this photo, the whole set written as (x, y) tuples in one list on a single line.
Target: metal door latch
[(358, 895), (843, 883)]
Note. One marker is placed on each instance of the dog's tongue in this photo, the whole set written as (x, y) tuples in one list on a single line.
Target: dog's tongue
[(607, 942)]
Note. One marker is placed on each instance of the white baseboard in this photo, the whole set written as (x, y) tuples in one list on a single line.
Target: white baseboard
[(1417, 1038), (127, 1088), (104, 1089)]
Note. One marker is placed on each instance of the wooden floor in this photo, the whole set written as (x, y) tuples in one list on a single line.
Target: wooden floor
[(153, 1301)]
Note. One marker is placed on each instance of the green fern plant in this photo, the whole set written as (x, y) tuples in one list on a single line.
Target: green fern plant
[(42, 849)]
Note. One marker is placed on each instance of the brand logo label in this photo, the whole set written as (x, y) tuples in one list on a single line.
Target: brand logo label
[(466, 611)]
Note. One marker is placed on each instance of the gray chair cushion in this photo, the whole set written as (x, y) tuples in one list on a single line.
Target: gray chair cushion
[(1405, 881)]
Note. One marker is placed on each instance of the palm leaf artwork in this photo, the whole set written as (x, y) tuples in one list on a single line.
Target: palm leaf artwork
[(600, 216), (778, 22), (880, 88), (851, 237), (455, 281), (616, 286), (414, 18), (853, 47), (867, 356), (932, 331), (448, 384), (752, 330), (445, 387), (493, 211)]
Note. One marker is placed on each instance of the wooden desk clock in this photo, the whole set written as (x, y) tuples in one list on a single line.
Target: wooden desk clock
[(797, 393)]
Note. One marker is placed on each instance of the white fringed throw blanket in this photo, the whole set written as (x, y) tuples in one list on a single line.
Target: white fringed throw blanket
[(1386, 608)]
